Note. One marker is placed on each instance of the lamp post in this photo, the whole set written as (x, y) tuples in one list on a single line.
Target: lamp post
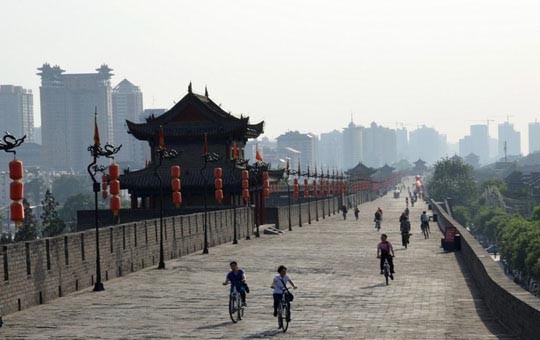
[(255, 173), (207, 158), (316, 194), (288, 172), (8, 144), (96, 151), (161, 154), (235, 162), (306, 191)]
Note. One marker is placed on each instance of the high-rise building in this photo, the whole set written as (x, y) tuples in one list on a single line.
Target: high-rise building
[(352, 145), (378, 146), (17, 111), (427, 144), (477, 142), (331, 149), (534, 137), (68, 103), (509, 140), (127, 104), (301, 146), (402, 143)]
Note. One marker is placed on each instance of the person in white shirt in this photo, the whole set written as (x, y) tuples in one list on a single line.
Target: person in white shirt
[(279, 286)]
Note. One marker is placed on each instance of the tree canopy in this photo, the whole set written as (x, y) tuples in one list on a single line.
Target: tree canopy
[(452, 178)]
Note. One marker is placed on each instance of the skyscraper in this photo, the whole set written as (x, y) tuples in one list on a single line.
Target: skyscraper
[(331, 149), (402, 143), (534, 137), (303, 147), (509, 140), (427, 144), (378, 146), (127, 103), (477, 143), (17, 111), (352, 146), (68, 102)]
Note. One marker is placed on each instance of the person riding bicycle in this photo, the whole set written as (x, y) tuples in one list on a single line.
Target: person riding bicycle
[(378, 219), (424, 219), (407, 202), (356, 212), (344, 210), (279, 285), (406, 211), (385, 251), (237, 278), (404, 228)]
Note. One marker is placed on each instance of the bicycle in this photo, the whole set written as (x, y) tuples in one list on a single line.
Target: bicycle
[(284, 312), (236, 309), (386, 270), (378, 225)]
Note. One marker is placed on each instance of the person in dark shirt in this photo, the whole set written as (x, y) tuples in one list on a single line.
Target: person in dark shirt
[(237, 278), (385, 251)]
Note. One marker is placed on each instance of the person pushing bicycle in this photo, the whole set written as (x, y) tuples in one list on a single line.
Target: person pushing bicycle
[(279, 285), (237, 278)]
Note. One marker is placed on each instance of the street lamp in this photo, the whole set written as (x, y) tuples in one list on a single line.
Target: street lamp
[(255, 173), (8, 144), (307, 174), (168, 154), (207, 158), (235, 162), (96, 151)]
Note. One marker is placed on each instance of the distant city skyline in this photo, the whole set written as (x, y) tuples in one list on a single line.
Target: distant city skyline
[(417, 62)]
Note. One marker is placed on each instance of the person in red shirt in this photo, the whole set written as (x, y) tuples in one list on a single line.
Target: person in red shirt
[(385, 251)]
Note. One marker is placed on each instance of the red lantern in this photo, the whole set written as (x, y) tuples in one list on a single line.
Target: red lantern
[(17, 212), (16, 190), (219, 195), (114, 171), (295, 181), (218, 182), (265, 175), (104, 182), (175, 171), (245, 184), (16, 170), (177, 198), (218, 172), (266, 192), (245, 194), (114, 187), (245, 175), (266, 184), (115, 204), (176, 185), (295, 194), (104, 194)]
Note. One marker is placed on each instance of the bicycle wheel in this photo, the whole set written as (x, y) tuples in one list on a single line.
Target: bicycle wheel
[(287, 313), (240, 309), (233, 309), (386, 276), (280, 316)]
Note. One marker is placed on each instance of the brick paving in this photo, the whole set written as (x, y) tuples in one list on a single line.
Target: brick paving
[(341, 294)]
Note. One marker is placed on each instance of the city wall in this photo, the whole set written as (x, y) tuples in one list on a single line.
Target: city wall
[(516, 308), (38, 271)]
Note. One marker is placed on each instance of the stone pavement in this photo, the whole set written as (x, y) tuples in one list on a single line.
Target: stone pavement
[(341, 294)]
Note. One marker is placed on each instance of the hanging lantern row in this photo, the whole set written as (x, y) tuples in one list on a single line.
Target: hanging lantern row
[(296, 188), (218, 182), (16, 191), (114, 188), (266, 184), (176, 185), (315, 193), (245, 185)]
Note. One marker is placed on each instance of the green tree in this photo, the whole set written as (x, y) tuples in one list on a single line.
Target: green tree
[(28, 229), (52, 224), (462, 215), (68, 212), (35, 189), (453, 178), (70, 185)]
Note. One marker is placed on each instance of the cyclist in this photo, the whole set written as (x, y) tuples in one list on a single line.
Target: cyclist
[(407, 212), (405, 228), (407, 202), (344, 210), (356, 212), (237, 278), (385, 251), (279, 284), (378, 219), (424, 220)]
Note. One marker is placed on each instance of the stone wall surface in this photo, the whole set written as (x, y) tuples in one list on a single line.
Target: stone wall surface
[(516, 308), (38, 271)]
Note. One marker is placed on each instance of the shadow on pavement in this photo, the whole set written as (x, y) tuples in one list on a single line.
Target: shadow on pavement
[(382, 284), (218, 325), (264, 334)]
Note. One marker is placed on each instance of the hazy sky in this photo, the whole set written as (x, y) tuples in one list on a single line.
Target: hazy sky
[(303, 65)]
